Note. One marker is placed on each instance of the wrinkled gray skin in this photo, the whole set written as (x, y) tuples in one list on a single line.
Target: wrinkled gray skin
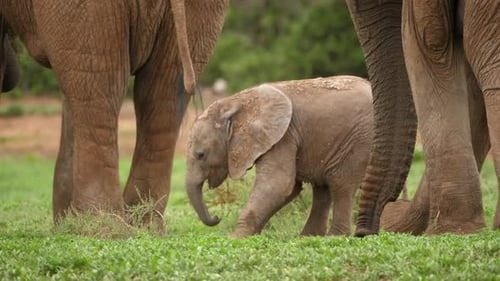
[(316, 131), (438, 60), (93, 47)]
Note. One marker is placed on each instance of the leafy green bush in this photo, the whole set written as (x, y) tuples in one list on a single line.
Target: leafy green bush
[(20, 109), (267, 41), (12, 110), (35, 79)]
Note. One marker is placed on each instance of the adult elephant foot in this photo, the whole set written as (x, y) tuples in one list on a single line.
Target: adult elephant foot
[(397, 218), (148, 219), (407, 216), (414, 217), (455, 199), (456, 226), (404, 216)]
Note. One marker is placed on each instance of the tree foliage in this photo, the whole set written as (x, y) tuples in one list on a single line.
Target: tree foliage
[(35, 79), (274, 40)]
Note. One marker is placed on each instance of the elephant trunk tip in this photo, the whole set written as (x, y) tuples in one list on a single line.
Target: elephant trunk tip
[(213, 221), (194, 191)]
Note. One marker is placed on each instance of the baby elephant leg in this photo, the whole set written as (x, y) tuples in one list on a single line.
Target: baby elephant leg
[(274, 187), (265, 200), (343, 197), (317, 222)]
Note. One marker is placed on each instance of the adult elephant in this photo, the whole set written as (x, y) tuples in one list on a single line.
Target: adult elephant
[(449, 53), (93, 46)]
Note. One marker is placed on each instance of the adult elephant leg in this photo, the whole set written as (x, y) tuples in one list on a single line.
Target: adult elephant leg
[(317, 223), (482, 49), (436, 66), (415, 216), (378, 25), (92, 67), (160, 103)]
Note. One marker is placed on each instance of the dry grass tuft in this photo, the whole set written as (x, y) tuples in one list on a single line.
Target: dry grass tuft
[(97, 224), (224, 195), (142, 217), (146, 216)]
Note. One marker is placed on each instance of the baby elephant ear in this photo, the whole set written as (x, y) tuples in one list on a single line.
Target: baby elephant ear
[(262, 120)]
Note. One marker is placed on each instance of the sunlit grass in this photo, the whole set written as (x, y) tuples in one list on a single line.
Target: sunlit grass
[(31, 248)]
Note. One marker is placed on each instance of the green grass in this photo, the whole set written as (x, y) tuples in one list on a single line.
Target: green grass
[(30, 248), (20, 109)]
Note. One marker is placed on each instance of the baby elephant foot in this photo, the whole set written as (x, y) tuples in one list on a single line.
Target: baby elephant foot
[(241, 233), (247, 226), (313, 232)]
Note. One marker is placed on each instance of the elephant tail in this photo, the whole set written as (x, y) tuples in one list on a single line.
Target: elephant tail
[(179, 13)]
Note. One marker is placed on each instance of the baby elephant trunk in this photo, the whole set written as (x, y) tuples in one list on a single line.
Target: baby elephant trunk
[(195, 195)]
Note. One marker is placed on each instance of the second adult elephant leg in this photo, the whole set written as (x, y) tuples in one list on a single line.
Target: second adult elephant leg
[(160, 103), (413, 216), (482, 47), (436, 67)]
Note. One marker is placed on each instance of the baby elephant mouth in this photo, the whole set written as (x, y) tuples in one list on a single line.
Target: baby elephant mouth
[(214, 184), (216, 179)]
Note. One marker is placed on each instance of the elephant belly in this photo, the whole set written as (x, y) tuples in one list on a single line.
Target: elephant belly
[(312, 167), (338, 153)]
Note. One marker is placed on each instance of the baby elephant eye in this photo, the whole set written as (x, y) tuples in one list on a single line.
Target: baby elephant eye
[(199, 155)]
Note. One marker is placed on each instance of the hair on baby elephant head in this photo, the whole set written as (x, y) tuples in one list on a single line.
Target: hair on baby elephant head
[(229, 136)]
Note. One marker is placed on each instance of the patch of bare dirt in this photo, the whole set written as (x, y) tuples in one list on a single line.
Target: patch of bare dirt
[(39, 133)]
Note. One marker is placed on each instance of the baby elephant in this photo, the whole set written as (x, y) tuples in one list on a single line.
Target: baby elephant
[(315, 130)]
